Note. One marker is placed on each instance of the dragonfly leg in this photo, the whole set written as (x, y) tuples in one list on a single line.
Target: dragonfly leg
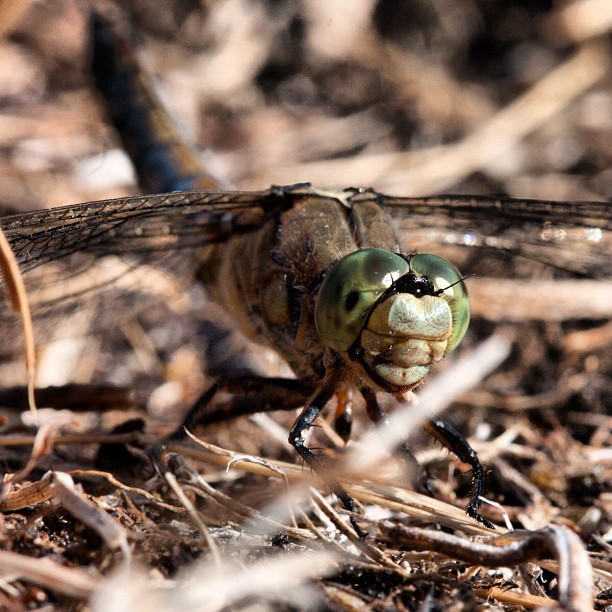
[(248, 395), (376, 413), (296, 438), (343, 419), (449, 437)]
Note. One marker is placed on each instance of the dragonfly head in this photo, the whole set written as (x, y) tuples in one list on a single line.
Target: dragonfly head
[(392, 315)]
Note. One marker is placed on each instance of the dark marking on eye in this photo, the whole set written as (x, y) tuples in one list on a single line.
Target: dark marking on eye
[(351, 300)]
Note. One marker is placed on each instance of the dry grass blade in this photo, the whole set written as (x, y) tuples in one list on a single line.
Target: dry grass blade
[(40, 491), (27, 495), (195, 517), (197, 484), (578, 21), (44, 572), (275, 582), (401, 499), (14, 285), (79, 439), (75, 502), (415, 506), (122, 486), (526, 600), (575, 299), (257, 460)]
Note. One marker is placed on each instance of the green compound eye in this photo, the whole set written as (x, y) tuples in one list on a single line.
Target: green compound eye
[(442, 274), (350, 290)]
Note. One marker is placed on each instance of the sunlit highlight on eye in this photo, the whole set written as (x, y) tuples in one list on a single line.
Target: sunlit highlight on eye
[(442, 283), (389, 279)]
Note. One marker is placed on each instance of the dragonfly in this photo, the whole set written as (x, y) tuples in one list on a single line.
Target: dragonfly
[(341, 284)]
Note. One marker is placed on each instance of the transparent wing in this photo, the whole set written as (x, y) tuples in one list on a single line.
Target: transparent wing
[(113, 255), (574, 237), (133, 225)]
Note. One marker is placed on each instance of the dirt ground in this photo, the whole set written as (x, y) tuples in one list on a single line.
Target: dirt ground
[(413, 98)]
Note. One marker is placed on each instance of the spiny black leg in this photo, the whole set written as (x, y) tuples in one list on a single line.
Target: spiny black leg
[(449, 437), (195, 413), (303, 423), (296, 438), (377, 414)]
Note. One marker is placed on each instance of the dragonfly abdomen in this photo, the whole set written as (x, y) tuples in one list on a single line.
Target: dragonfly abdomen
[(161, 157)]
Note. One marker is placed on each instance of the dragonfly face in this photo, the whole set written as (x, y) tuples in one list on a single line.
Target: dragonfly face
[(393, 316)]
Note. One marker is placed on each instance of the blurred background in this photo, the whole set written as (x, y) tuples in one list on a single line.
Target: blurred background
[(411, 97)]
